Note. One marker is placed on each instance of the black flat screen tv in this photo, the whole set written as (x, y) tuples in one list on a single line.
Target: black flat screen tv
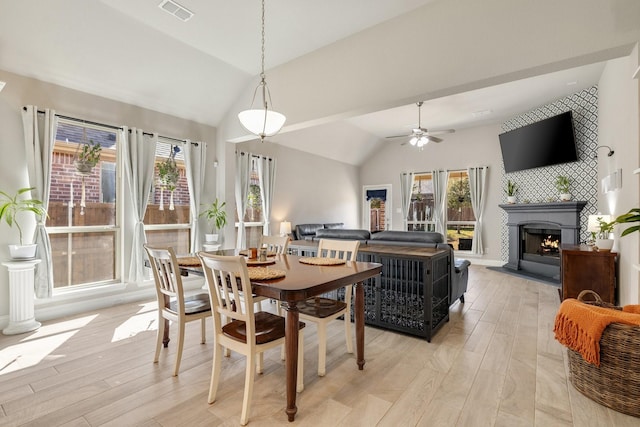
[(547, 142)]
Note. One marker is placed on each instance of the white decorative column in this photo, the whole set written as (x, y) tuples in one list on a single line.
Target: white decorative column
[(21, 297)]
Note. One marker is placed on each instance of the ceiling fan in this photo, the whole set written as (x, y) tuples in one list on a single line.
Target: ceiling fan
[(420, 136)]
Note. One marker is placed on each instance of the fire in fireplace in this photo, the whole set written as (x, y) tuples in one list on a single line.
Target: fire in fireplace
[(541, 243)]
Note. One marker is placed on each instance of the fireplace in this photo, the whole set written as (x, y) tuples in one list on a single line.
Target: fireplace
[(540, 243), (536, 231)]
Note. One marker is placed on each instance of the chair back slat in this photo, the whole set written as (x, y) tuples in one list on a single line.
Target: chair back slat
[(229, 286), (166, 272), (343, 249), (277, 244)]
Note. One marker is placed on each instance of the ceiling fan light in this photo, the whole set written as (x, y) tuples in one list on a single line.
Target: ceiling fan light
[(413, 141), (262, 122)]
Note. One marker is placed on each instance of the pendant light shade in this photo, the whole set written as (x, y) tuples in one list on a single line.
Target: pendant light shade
[(262, 122)]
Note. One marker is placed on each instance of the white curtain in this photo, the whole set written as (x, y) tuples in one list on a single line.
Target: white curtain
[(39, 142), (477, 185), (267, 176), (440, 179), (406, 188), (195, 156), (139, 158), (243, 169)]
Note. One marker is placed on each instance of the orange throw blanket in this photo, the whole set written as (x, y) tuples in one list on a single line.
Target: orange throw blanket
[(631, 308), (580, 326)]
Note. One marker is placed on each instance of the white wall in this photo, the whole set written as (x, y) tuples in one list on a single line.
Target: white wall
[(467, 147), (20, 91), (618, 122)]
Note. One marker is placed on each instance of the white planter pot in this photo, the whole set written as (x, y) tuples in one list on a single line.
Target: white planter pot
[(565, 197), (23, 251), (210, 238), (604, 244), (511, 200)]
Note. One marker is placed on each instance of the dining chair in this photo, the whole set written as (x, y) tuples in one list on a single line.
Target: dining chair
[(247, 332), (277, 244), (173, 305), (322, 310), (274, 244)]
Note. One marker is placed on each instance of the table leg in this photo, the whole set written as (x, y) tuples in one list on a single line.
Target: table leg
[(291, 362), (359, 315)]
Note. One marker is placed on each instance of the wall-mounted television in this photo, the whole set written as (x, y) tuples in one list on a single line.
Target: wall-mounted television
[(548, 142)]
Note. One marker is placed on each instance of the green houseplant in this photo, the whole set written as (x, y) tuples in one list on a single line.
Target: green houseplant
[(511, 191), (10, 207), (632, 216), (87, 157), (217, 217), (562, 185), (602, 239), (168, 175)]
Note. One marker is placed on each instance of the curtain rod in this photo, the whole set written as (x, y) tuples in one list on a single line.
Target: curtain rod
[(257, 156), (447, 170), (89, 122)]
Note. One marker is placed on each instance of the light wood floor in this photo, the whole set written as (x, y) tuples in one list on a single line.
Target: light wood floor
[(494, 364)]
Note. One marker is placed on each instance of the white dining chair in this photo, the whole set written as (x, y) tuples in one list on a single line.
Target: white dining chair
[(322, 310), (247, 332)]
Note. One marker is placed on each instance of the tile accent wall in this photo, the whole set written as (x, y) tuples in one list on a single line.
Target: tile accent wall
[(538, 185)]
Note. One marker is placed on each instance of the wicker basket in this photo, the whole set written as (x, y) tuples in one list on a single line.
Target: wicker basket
[(616, 383)]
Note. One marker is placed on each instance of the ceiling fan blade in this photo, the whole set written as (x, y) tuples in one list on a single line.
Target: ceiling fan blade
[(434, 139), (398, 136), (440, 131)]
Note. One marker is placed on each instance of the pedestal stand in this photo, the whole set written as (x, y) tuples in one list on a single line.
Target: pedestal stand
[(21, 296)]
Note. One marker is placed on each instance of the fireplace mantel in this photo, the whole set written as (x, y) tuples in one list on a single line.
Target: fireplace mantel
[(569, 206), (564, 215)]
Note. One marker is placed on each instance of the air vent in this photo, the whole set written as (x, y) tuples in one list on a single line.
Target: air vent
[(180, 12)]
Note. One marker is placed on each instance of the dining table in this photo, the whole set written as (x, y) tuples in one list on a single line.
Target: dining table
[(300, 282)]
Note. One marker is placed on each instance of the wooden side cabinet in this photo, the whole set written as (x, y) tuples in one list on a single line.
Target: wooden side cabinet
[(582, 267)]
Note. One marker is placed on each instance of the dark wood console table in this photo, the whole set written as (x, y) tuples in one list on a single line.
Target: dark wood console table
[(412, 293), (584, 267)]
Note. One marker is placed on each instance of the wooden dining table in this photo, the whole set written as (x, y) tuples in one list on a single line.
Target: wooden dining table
[(303, 281)]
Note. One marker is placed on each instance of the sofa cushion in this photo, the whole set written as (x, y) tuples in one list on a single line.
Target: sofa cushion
[(341, 233), (408, 236), (334, 225), (307, 231)]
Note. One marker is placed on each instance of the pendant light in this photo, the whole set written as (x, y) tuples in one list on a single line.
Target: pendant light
[(262, 122)]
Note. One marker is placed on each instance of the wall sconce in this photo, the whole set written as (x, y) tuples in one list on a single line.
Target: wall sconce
[(609, 154)]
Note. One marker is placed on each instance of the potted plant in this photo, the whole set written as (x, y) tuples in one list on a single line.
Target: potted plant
[(10, 207), (87, 158), (217, 216), (602, 238), (511, 191), (562, 185), (168, 175)]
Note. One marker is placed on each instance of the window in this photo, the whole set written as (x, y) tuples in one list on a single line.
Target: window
[(421, 207), (83, 222), (253, 217), (167, 219), (460, 216)]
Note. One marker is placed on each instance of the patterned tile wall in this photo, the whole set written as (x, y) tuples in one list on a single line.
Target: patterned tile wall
[(538, 185)]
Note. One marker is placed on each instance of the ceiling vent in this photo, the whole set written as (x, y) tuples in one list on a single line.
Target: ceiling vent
[(173, 8)]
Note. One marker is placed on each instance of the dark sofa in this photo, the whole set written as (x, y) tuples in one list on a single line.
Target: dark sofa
[(308, 231), (459, 267)]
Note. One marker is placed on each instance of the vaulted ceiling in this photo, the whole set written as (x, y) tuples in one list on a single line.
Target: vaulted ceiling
[(135, 52)]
